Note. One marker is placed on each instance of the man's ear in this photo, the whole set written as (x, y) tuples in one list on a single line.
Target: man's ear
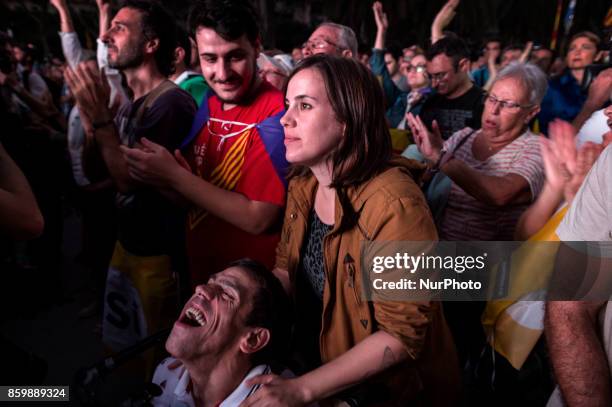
[(464, 65), (152, 45), (179, 55), (254, 340)]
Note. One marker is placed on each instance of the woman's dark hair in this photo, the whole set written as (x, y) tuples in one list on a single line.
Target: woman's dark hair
[(357, 101), (157, 23), (270, 309), (229, 18)]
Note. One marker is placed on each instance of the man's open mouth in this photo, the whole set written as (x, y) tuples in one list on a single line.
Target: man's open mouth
[(194, 317)]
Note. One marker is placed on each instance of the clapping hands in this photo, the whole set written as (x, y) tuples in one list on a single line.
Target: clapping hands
[(564, 164), (429, 143)]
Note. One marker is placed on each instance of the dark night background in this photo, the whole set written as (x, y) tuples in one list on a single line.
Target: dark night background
[(287, 23)]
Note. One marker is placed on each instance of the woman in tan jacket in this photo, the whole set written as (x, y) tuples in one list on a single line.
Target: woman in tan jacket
[(346, 189)]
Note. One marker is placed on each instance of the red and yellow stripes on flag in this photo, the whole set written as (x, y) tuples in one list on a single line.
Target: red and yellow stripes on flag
[(227, 174), (555, 33)]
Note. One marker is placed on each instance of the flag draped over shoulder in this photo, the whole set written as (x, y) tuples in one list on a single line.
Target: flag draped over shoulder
[(514, 327)]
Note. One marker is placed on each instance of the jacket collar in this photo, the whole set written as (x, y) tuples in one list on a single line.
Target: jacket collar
[(304, 188)]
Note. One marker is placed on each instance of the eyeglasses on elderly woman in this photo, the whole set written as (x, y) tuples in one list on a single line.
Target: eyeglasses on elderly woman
[(507, 105)]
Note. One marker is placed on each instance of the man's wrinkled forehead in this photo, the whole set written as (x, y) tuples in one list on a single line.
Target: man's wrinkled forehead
[(128, 16), (325, 33), (237, 278)]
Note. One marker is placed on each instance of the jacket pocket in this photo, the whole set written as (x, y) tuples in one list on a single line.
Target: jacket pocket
[(349, 271), (351, 277)]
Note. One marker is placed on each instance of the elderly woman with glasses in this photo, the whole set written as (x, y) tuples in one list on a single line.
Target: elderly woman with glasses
[(497, 171)]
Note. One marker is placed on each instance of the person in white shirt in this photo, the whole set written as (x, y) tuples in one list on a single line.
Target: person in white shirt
[(579, 333), (226, 334)]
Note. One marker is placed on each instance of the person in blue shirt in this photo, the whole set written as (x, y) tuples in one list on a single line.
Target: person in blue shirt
[(565, 97), (491, 50), (398, 101), (413, 100)]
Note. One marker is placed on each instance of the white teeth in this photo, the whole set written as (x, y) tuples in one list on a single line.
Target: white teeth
[(196, 315)]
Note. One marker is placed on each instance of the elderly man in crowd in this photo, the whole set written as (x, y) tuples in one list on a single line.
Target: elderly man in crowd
[(228, 332), (331, 38)]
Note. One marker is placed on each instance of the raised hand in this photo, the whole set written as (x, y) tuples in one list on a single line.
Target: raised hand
[(58, 4), (526, 52), (443, 19), (382, 23), (565, 166), (103, 4), (429, 143), (600, 89)]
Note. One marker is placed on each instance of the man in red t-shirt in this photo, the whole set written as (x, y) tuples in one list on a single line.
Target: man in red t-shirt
[(235, 151)]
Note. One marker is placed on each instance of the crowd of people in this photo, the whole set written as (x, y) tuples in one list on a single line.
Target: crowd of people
[(239, 184)]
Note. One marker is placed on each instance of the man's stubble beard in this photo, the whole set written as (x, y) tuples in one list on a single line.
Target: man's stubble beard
[(132, 56)]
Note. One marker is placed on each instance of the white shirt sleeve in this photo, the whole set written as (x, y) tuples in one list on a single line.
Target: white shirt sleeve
[(593, 129), (102, 53), (589, 216), (71, 46)]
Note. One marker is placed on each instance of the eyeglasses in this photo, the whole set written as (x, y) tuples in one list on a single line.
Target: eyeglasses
[(319, 43), (416, 68), (506, 105), (436, 77)]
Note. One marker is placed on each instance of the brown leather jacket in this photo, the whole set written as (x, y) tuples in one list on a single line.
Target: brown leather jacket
[(391, 207)]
